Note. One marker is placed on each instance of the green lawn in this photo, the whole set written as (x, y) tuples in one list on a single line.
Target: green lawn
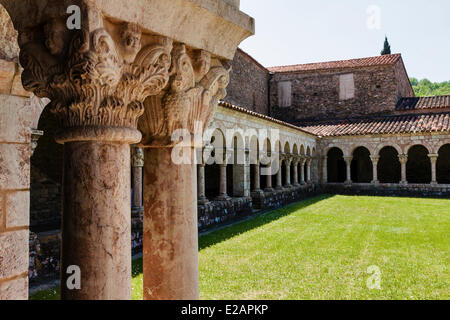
[(322, 249)]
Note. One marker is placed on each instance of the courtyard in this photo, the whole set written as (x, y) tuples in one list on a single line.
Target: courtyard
[(328, 247)]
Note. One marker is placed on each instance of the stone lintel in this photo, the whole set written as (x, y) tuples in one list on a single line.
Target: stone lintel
[(200, 24)]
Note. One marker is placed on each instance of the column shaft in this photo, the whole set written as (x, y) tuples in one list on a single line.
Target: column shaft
[(170, 228), (201, 184), (269, 180), (279, 185), (96, 223), (325, 170), (302, 172), (223, 181), (296, 173), (257, 182)]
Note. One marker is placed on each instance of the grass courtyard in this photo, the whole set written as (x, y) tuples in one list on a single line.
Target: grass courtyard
[(322, 248)]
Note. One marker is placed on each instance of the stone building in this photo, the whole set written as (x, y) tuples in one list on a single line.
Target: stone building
[(275, 136)]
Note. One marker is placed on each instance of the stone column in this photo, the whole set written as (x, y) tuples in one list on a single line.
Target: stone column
[(308, 170), (202, 200), (279, 185), (375, 160), (257, 178), (269, 187), (348, 162), (302, 170), (197, 83), (137, 165), (403, 158), (288, 162), (295, 163), (325, 170), (433, 158)]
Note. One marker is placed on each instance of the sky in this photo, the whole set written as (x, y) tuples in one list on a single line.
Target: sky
[(303, 31)]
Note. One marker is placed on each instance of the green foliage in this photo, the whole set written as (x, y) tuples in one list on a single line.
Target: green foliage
[(386, 48), (426, 88)]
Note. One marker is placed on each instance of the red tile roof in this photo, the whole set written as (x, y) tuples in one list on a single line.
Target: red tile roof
[(412, 123), (437, 102), (389, 59)]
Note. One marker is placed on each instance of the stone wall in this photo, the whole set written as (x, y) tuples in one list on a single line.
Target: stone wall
[(249, 84), (15, 151), (316, 95)]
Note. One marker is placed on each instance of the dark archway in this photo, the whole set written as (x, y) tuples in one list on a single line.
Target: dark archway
[(361, 168), (443, 165), (418, 167), (389, 167), (336, 167)]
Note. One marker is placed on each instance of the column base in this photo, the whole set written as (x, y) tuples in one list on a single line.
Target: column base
[(202, 201), (404, 183), (375, 182), (269, 190), (279, 188), (223, 197), (257, 192), (348, 183), (434, 183)]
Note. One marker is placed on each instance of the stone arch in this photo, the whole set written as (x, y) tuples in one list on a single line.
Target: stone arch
[(361, 166), (388, 144), (389, 167), (443, 165), (418, 167), (336, 167)]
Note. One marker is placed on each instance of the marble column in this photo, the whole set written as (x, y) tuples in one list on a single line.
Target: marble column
[(375, 160), (325, 170), (348, 162), (403, 158), (279, 185), (257, 178), (269, 187), (295, 163), (170, 179), (201, 184), (433, 158), (302, 170), (137, 165), (308, 170), (288, 162)]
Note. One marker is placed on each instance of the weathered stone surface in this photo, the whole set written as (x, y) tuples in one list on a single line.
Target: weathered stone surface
[(9, 49), (13, 253), (14, 166), (14, 119), (170, 228), (7, 72), (97, 220), (14, 289), (17, 209)]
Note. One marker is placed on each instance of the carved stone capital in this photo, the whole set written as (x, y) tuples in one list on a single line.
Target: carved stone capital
[(186, 107), (137, 157), (403, 158), (97, 78)]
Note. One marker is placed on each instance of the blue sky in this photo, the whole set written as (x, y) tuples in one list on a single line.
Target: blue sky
[(303, 31)]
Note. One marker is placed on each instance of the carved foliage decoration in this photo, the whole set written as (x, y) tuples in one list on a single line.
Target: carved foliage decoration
[(94, 81), (195, 89)]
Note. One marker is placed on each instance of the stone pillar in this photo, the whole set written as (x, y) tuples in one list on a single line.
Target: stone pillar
[(137, 165), (375, 160), (269, 187), (295, 163), (348, 162), (325, 170), (279, 185), (223, 196), (257, 178), (202, 200), (197, 83), (403, 158), (302, 170), (433, 158), (308, 170), (288, 162)]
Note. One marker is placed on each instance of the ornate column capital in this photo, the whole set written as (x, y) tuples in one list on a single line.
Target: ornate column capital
[(375, 159), (433, 157), (403, 158), (137, 157), (98, 77), (187, 105), (348, 159)]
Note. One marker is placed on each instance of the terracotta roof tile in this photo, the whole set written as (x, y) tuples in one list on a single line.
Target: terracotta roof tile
[(389, 59), (417, 103), (411, 123)]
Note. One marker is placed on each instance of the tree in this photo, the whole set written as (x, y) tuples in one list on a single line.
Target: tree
[(387, 47)]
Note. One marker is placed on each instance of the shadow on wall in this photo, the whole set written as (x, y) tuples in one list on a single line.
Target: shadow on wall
[(245, 226)]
